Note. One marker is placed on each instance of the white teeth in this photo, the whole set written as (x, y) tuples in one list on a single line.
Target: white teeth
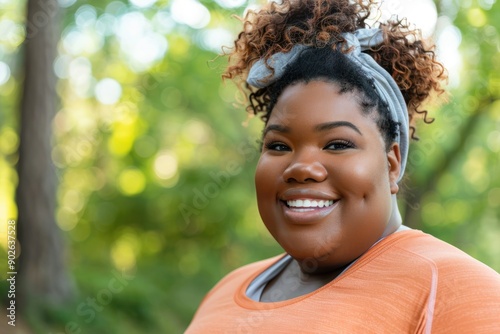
[(308, 203)]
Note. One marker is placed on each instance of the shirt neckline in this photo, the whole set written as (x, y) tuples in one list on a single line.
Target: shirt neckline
[(245, 301)]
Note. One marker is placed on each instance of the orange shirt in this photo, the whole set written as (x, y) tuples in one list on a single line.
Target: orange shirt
[(410, 282)]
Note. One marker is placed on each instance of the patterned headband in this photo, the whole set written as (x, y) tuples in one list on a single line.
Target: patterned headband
[(261, 76)]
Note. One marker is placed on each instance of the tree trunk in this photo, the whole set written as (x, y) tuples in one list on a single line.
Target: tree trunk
[(42, 269)]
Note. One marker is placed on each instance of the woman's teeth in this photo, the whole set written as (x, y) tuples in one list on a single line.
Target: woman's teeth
[(307, 203)]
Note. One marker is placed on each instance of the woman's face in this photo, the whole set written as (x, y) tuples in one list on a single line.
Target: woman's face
[(324, 180)]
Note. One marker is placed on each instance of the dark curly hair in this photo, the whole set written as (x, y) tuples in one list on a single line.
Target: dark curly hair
[(277, 27)]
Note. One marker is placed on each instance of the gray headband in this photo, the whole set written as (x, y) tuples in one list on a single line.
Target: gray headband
[(261, 76)]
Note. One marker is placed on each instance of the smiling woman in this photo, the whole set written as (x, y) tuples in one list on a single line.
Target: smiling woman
[(315, 146), (338, 100)]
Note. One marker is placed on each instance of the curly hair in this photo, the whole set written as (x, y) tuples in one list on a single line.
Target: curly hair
[(277, 27)]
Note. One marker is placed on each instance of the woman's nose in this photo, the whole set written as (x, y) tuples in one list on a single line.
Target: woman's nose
[(305, 168)]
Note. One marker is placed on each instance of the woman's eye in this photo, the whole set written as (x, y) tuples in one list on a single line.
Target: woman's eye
[(340, 145), (276, 146)]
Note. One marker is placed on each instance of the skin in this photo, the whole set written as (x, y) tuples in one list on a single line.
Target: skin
[(318, 145)]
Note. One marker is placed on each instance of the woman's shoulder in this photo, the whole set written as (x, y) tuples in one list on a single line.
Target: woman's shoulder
[(464, 293), (442, 256)]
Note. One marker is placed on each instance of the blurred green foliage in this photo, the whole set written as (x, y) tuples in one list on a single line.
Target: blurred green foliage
[(155, 164)]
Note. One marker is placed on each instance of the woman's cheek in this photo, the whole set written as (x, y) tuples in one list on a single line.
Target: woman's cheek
[(265, 181), (365, 177), (265, 175)]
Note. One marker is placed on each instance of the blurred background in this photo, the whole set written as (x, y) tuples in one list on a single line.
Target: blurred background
[(135, 162)]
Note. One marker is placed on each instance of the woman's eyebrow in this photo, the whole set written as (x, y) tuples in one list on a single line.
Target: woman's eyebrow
[(276, 127), (333, 125)]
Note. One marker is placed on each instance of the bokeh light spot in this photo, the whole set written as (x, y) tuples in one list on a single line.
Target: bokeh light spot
[(494, 141), (476, 17), (61, 66), (163, 22), (197, 132), (124, 135), (85, 16), (495, 106), (66, 3), (74, 200), (143, 3), (231, 3), (474, 169), (66, 219), (108, 91), (123, 254), (448, 44), (422, 14), (81, 42), (140, 43), (4, 73), (215, 39), (80, 75), (486, 4), (131, 181), (106, 24), (190, 12), (13, 34), (165, 165), (8, 141)]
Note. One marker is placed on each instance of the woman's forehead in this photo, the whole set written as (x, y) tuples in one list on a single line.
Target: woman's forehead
[(316, 101)]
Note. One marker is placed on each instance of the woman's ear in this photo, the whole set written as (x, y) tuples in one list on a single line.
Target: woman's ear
[(394, 167)]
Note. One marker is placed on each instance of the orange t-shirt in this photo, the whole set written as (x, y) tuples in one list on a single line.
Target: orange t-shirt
[(410, 282)]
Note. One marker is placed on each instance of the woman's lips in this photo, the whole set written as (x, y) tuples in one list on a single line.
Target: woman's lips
[(307, 211), (307, 203)]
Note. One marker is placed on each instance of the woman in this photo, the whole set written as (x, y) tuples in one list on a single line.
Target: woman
[(338, 99)]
